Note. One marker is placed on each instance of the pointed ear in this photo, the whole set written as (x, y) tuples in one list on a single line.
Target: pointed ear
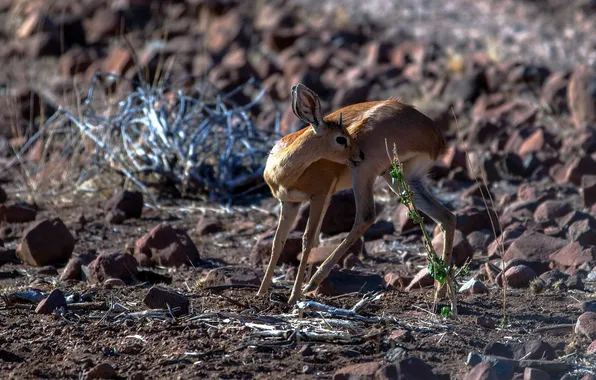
[(307, 107)]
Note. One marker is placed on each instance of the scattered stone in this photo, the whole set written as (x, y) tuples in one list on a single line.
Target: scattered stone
[(378, 230), (162, 298), (207, 226), (111, 283), (408, 368), (574, 255), (347, 281), (482, 371), (101, 371), (113, 265), (46, 242), (474, 286), (261, 251), (551, 210), (485, 321), (519, 276), (583, 231), (166, 246), (396, 281), (574, 170), (48, 270), (586, 325), (588, 190), (475, 218), (73, 269), (53, 301), (7, 356), (16, 213), (462, 249), (7, 256), (534, 248), (421, 280), (232, 275), (401, 335), (357, 371), (591, 350), (480, 240), (129, 203), (3, 196)]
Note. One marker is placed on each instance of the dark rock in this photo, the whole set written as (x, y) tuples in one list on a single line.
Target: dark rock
[(480, 240), (357, 371), (73, 269), (208, 226), (9, 357), (166, 246), (408, 368), (588, 190), (46, 242), (113, 265), (474, 218), (551, 210), (162, 298), (53, 301), (232, 275), (482, 371), (573, 255), (101, 371), (17, 213), (378, 229), (3, 196), (535, 248), (347, 281), (583, 231), (128, 202), (7, 256), (421, 280), (586, 325)]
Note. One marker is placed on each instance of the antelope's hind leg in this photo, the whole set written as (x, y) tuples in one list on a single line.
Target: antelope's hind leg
[(288, 213)]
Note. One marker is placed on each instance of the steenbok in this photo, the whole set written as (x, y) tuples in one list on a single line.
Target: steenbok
[(347, 149)]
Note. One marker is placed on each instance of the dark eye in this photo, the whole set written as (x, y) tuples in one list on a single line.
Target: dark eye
[(341, 140)]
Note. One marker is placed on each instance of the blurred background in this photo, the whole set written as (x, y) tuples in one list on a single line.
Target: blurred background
[(501, 67)]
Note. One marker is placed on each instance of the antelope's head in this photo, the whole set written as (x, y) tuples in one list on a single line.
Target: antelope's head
[(334, 141)]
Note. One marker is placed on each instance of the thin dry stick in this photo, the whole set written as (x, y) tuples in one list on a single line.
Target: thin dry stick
[(500, 244)]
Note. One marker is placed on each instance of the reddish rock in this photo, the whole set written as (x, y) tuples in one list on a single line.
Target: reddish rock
[(588, 190), (357, 371), (462, 250), (207, 226), (535, 249), (421, 280), (46, 242), (586, 325), (129, 202), (519, 276), (166, 246), (348, 281), (101, 371), (583, 231), (16, 213), (105, 22), (591, 350), (574, 255), (504, 241), (534, 143), (223, 31), (554, 92), (53, 301), (581, 96), (232, 275), (573, 171), (396, 281), (113, 265), (111, 283), (551, 210), (261, 251), (162, 298), (480, 241), (482, 371), (73, 269)]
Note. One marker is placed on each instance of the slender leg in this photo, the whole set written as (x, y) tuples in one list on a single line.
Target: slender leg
[(288, 213), (318, 207), (365, 216), (436, 211)]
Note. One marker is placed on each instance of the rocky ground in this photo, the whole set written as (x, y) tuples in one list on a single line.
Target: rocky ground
[(98, 282)]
